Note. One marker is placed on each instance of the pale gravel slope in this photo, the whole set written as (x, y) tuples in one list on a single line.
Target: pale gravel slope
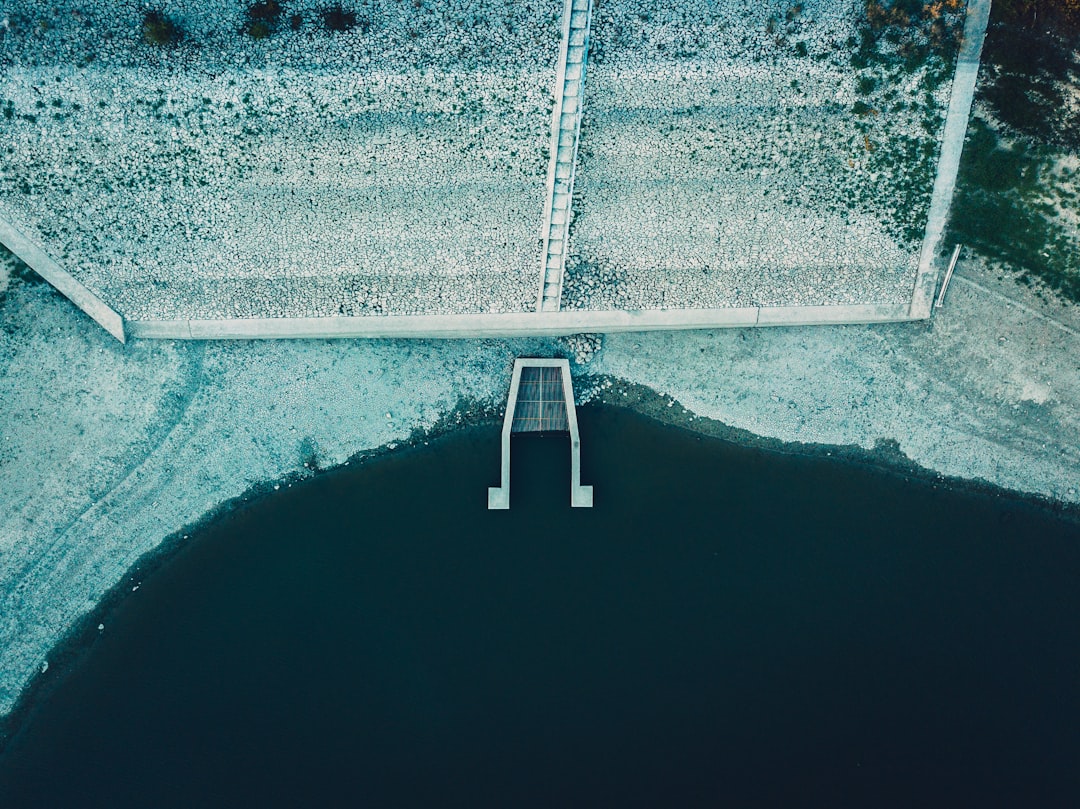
[(986, 390)]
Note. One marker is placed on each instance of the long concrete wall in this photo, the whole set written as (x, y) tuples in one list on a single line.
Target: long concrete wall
[(515, 324), (44, 265), (952, 145)]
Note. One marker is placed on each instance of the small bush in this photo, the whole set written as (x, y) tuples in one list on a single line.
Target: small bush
[(266, 10), (159, 30), (263, 18), (338, 19)]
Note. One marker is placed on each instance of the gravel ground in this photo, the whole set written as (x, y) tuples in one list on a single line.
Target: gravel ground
[(735, 155), (106, 449), (397, 168), (732, 154)]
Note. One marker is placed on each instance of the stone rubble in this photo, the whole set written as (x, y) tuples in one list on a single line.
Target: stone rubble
[(397, 168), (731, 155)]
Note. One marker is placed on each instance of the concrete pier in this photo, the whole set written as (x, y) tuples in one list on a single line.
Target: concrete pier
[(541, 399)]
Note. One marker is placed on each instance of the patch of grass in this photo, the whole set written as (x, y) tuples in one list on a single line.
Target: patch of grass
[(1027, 72), (263, 18), (159, 30), (1001, 209), (339, 19)]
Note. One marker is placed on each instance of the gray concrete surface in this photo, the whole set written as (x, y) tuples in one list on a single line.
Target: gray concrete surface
[(952, 146), (514, 324)]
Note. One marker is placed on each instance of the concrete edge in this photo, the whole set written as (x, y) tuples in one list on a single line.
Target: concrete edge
[(832, 315), (515, 324), (35, 257), (952, 145)]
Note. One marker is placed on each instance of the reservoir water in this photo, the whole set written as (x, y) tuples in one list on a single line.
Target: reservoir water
[(726, 627)]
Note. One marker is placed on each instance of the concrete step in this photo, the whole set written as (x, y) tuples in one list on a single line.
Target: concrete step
[(564, 137)]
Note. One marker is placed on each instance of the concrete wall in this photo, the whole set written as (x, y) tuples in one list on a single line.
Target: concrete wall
[(952, 145), (40, 262), (515, 324)]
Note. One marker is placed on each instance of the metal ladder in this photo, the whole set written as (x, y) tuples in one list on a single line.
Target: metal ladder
[(565, 132)]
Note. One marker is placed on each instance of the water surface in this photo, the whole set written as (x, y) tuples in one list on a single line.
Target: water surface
[(726, 627)]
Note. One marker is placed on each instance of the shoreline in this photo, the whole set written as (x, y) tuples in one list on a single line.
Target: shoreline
[(885, 458), (111, 447)]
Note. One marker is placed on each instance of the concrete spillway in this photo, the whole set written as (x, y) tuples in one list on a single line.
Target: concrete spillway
[(541, 400)]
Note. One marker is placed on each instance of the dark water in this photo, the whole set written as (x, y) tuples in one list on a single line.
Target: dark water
[(725, 628)]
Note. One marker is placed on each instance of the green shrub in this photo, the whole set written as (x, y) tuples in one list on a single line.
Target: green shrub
[(262, 18), (338, 19), (159, 30)]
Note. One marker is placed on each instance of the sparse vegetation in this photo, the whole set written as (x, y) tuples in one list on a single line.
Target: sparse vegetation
[(159, 30), (337, 18), (1027, 73), (263, 18), (1017, 196)]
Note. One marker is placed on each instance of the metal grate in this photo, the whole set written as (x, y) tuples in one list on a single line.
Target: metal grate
[(541, 404)]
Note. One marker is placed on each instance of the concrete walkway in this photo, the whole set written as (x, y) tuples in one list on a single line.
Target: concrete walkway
[(952, 145), (565, 132), (522, 324)]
